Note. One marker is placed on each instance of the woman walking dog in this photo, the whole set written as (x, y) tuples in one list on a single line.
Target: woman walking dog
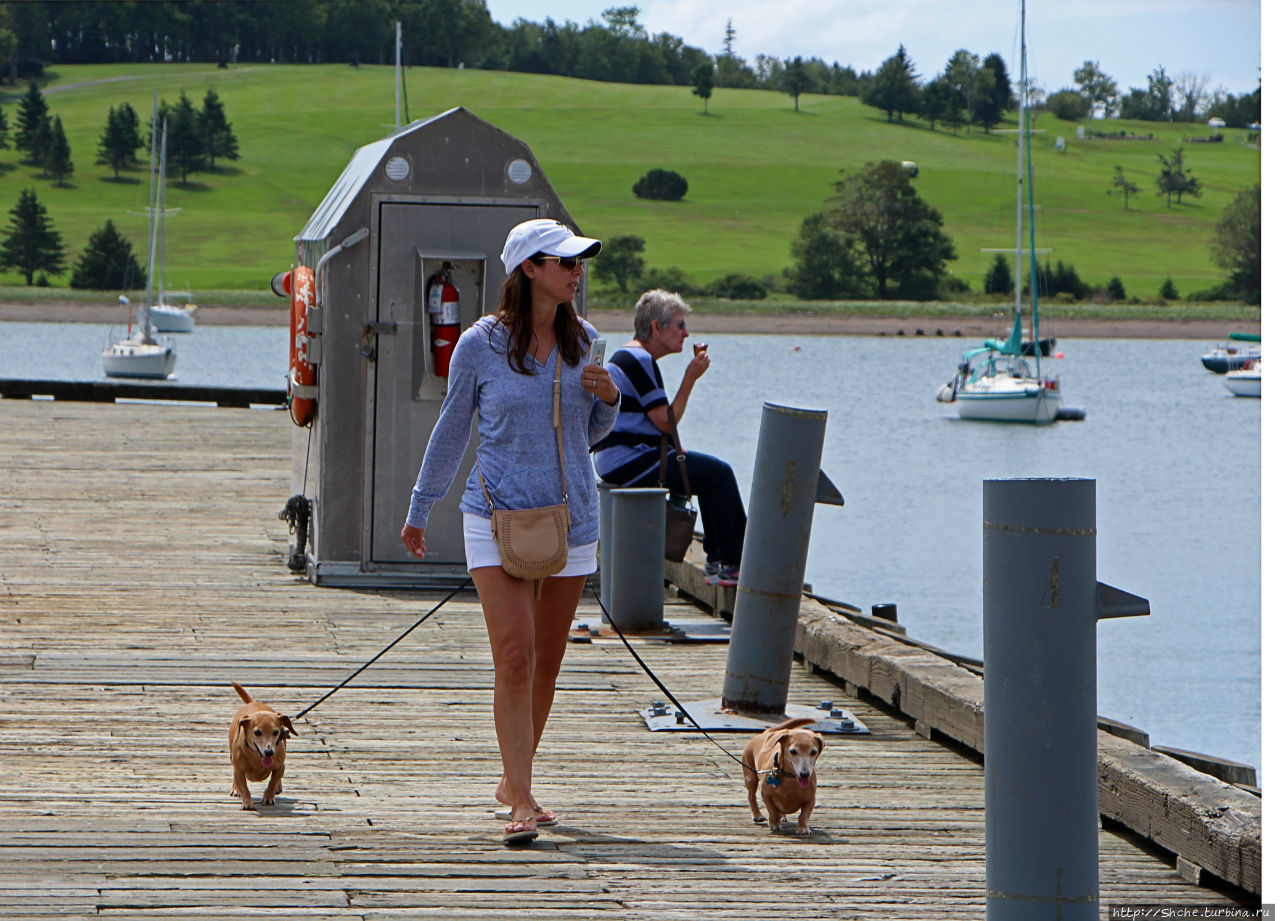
[(503, 373)]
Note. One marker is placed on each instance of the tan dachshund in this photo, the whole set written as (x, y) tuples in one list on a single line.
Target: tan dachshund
[(784, 756), (257, 740)]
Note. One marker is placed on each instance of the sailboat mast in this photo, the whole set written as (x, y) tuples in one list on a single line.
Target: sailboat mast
[(151, 223), (1022, 121), (1031, 215)]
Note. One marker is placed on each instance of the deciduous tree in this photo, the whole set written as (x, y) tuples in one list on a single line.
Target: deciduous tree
[(31, 244), (1123, 185), (1175, 178), (1098, 89), (796, 79), (828, 265), (621, 261), (704, 79), (1237, 243), (897, 232)]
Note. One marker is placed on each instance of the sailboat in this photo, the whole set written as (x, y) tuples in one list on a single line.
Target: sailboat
[(1002, 380), (141, 355)]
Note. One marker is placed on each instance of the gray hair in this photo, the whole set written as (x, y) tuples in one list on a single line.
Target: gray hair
[(663, 306)]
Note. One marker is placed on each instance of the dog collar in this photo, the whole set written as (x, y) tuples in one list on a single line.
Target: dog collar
[(775, 776)]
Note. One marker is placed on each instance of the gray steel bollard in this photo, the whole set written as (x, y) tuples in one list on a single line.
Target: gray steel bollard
[(638, 570), (779, 517), (1039, 628), (606, 543)]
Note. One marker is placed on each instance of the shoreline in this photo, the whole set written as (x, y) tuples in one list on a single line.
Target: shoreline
[(619, 321)]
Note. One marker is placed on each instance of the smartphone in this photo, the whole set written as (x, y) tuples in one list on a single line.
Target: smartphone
[(597, 352)]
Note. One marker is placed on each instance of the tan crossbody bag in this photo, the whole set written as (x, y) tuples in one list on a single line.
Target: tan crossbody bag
[(533, 543)]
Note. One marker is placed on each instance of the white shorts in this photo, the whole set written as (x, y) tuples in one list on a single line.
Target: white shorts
[(482, 549)]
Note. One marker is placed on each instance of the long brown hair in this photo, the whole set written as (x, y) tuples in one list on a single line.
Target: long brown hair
[(515, 312)]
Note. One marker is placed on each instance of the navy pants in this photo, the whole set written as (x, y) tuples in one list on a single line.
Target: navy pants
[(723, 519)]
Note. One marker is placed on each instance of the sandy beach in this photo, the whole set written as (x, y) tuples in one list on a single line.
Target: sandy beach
[(618, 321)]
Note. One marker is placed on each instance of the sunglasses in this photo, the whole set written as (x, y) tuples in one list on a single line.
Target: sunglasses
[(568, 263)]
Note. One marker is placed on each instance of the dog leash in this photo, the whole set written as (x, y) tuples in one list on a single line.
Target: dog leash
[(663, 688), (421, 620)]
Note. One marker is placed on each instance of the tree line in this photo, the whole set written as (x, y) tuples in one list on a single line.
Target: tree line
[(452, 33)]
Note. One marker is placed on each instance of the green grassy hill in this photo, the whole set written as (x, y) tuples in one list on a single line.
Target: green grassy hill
[(755, 169)]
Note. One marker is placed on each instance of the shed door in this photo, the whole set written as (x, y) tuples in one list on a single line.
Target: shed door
[(414, 239)]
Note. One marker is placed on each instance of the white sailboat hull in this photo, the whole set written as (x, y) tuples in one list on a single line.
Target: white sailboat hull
[(135, 358), (1009, 399), (1246, 382), (166, 318)]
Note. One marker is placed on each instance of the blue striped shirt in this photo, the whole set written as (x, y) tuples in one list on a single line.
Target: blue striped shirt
[(630, 451)]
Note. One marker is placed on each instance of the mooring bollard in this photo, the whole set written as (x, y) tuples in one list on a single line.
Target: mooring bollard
[(637, 542), (784, 487), (1041, 603)]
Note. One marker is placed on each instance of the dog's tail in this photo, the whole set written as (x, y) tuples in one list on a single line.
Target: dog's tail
[(245, 696), (789, 724)]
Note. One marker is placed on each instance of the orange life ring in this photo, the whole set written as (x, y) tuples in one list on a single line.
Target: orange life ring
[(302, 373)]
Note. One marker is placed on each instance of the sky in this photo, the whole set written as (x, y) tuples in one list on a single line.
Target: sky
[(1128, 38)]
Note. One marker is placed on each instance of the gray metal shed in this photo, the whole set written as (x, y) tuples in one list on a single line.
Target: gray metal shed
[(443, 191)]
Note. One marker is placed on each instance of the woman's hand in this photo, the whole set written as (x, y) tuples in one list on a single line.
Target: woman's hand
[(596, 381), (414, 540), (697, 366)]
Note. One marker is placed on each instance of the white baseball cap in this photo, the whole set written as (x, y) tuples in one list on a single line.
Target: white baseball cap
[(544, 236)]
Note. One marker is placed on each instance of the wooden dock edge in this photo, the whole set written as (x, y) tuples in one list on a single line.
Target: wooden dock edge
[(1209, 825)]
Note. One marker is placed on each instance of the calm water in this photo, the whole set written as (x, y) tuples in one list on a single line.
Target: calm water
[(1176, 458)]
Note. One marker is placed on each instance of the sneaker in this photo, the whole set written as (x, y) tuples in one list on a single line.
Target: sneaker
[(711, 572), (728, 575)]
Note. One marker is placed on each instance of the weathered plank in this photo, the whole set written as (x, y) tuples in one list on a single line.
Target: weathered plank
[(143, 569)]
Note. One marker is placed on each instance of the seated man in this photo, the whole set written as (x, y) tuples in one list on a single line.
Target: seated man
[(628, 456)]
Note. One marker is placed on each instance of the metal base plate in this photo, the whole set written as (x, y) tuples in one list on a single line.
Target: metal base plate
[(694, 630), (663, 717)]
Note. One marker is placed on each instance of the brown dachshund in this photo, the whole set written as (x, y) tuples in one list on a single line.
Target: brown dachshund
[(785, 756), (257, 740)]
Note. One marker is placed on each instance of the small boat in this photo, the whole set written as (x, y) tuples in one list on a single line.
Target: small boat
[(1246, 381), (1003, 380), (170, 318), (141, 354), (1232, 355)]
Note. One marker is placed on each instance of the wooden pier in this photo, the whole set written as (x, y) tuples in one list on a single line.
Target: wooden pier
[(143, 569)]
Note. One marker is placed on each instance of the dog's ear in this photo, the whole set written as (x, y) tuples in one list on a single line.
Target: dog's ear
[(288, 726), (244, 725), (822, 743)]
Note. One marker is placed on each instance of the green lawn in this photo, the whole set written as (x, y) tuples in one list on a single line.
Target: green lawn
[(755, 169)]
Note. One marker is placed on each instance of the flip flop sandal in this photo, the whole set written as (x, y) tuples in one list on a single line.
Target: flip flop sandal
[(522, 834), (545, 818)]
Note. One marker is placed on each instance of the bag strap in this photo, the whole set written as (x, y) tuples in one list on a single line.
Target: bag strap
[(662, 454), (555, 422)]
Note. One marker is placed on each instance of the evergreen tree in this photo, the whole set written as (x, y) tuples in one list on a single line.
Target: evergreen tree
[(32, 111), (1168, 291), (1115, 288), (999, 280), (31, 244), (185, 148), (108, 263), (120, 139), (4, 131), (895, 87), (215, 130), (41, 138), (57, 157)]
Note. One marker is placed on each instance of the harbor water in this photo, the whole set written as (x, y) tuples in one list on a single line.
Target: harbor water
[(1176, 458)]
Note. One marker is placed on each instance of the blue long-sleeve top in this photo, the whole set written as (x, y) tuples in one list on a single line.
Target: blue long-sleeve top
[(517, 450)]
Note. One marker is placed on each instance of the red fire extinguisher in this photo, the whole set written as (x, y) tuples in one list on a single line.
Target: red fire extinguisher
[(442, 306)]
